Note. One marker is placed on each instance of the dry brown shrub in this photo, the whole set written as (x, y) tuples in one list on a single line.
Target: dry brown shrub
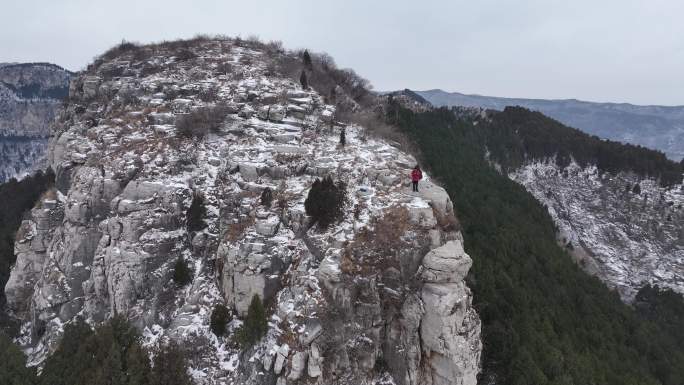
[(185, 54), (282, 158), (377, 127), (237, 230), (119, 50), (347, 264), (199, 122), (288, 336), (209, 94), (381, 242), (253, 41), (388, 231), (248, 194), (50, 194), (447, 222), (224, 68)]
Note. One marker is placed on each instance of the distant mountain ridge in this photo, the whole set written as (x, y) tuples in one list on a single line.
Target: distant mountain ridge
[(656, 127), (30, 94)]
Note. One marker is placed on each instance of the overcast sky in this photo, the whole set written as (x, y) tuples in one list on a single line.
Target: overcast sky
[(600, 50)]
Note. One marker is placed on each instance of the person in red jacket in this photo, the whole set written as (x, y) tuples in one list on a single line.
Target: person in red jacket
[(416, 176)]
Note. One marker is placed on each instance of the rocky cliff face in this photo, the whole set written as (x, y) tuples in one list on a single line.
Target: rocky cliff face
[(30, 95), (626, 236), (378, 298)]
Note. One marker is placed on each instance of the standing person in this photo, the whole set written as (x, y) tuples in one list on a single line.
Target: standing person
[(416, 176)]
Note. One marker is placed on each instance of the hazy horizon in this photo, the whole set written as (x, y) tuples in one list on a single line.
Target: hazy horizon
[(615, 51), (533, 98)]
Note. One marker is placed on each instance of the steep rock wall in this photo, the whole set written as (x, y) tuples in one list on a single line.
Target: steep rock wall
[(627, 236)]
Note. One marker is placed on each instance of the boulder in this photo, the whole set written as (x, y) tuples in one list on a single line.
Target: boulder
[(438, 198), (423, 217), (315, 361), (249, 172), (447, 263), (290, 149), (268, 227), (312, 329), (296, 111), (285, 138), (276, 113), (388, 179), (298, 366), (281, 358)]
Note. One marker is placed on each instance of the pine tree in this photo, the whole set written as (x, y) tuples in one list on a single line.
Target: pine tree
[(343, 137), (181, 273), (196, 213), (307, 60), (219, 319), (326, 201), (267, 197), (255, 325), (303, 80)]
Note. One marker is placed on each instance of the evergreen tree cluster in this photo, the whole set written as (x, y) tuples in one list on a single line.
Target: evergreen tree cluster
[(13, 370), (518, 134), (16, 198), (326, 201), (320, 72), (109, 355), (544, 321), (664, 307)]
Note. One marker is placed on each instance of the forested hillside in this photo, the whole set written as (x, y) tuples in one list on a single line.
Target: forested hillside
[(544, 320), (517, 134), (652, 126), (110, 354)]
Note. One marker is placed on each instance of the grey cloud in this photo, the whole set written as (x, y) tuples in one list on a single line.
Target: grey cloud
[(606, 50)]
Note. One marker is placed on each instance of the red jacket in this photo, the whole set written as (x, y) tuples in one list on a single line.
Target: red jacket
[(416, 175)]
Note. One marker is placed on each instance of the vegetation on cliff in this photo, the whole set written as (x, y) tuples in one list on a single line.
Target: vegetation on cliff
[(544, 320)]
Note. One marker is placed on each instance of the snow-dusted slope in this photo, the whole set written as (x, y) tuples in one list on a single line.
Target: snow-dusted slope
[(627, 238), (20, 156), (377, 298)]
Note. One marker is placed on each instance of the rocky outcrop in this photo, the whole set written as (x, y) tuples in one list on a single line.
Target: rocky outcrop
[(450, 328), (379, 294)]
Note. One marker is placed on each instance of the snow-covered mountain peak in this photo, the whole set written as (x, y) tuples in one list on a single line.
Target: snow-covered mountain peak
[(150, 130)]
